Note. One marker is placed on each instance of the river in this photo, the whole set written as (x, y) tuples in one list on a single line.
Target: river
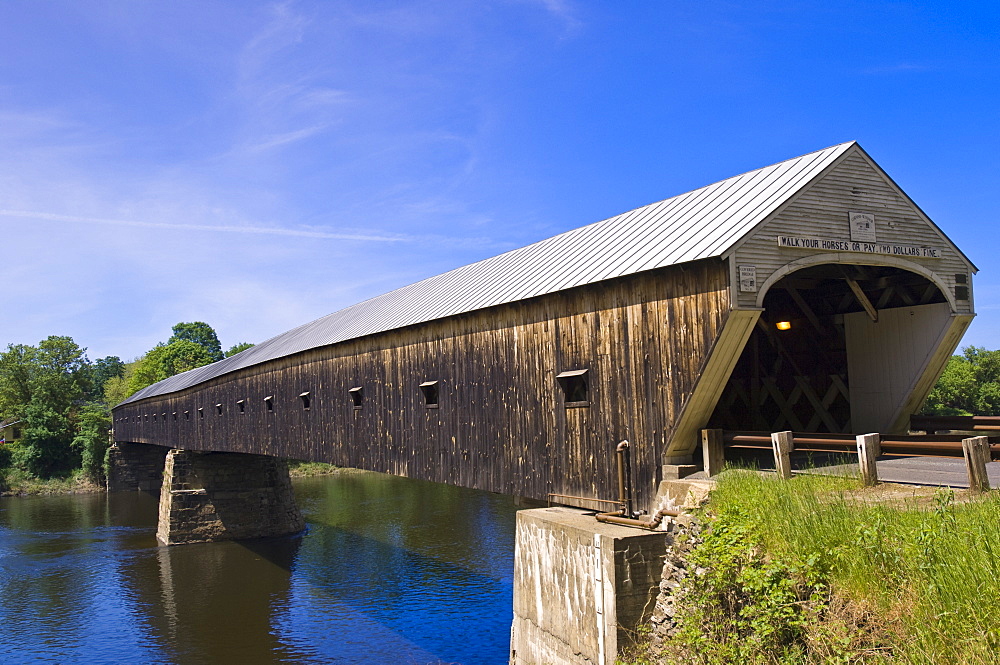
[(390, 570)]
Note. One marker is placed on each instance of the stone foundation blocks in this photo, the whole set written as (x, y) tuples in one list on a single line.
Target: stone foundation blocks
[(225, 496), (135, 467)]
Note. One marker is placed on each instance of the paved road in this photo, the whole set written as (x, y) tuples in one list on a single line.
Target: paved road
[(948, 471)]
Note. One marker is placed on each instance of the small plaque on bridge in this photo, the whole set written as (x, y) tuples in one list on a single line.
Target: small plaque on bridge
[(748, 279), (862, 226)]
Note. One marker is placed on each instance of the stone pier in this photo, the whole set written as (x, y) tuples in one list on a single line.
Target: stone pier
[(225, 496), (581, 587), (135, 467)]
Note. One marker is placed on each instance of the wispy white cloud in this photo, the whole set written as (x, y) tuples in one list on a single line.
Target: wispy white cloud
[(304, 232), (262, 230), (565, 12), (284, 28), (278, 140)]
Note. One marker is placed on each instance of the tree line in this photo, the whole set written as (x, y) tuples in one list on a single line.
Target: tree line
[(969, 385), (55, 403)]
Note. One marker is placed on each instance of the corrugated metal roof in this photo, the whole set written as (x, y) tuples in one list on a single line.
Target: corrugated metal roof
[(702, 223)]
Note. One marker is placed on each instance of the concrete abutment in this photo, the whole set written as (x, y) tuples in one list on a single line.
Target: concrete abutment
[(581, 587)]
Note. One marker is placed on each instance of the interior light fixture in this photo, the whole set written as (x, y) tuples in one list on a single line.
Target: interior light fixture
[(784, 325)]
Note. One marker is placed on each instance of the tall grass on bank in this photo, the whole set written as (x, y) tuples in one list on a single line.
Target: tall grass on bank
[(16, 482), (817, 570)]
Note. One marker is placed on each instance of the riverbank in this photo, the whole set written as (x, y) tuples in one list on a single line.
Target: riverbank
[(308, 469), (14, 482), (820, 570)]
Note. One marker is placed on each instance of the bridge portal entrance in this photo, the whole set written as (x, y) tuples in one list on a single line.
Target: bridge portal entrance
[(836, 349)]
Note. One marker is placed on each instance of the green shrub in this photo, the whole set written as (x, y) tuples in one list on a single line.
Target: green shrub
[(811, 571)]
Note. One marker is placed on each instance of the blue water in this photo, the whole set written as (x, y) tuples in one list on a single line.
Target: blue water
[(390, 570)]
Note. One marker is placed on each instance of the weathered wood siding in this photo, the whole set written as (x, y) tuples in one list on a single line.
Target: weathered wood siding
[(501, 424)]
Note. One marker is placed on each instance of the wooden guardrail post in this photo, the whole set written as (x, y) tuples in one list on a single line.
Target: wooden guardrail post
[(869, 448), (783, 443), (712, 451), (977, 454)]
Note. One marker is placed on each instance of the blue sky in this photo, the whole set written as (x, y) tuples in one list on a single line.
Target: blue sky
[(258, 165)]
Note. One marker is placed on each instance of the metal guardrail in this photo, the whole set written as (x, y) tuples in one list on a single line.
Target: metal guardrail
[(976, 450), (932, 424), (897, 445)]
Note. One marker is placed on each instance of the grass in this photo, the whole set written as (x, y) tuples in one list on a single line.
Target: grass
[(818, 570), (298, 469), (15, 482)]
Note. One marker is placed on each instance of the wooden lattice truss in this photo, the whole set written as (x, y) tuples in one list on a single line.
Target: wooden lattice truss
[(798, 379)]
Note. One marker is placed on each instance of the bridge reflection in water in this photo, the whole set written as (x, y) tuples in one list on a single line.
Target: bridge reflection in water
[(390, 570)]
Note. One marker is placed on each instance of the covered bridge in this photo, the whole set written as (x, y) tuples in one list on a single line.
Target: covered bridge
[(811, 295)]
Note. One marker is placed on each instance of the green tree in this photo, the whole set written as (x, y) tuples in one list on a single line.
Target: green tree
[(44, 386), (91, 440), (201, 333), (969, 385), (44, 449), (103, 370), (16, 373), (117, 388), (166, 360), (236, 348)]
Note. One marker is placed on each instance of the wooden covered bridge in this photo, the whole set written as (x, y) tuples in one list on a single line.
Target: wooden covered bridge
[(810, 295)]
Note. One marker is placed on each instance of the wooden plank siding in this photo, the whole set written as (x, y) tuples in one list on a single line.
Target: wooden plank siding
[(501, 424), (821, 209)]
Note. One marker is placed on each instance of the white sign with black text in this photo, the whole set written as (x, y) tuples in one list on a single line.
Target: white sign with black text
[(862, 226), (841, 245), (748, 279)]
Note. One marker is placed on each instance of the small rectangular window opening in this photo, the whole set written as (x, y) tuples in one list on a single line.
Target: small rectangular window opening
[(357, 396), (242, 404), (306, 402), (218, 409), (430, 391), (961, 292), (575, 388), (201, 412), (961, 278), (269, 403)]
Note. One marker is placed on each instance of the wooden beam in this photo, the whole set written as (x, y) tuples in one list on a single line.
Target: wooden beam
[(977, 454), (869, 448), (862, 272), (863, 299), (783, 443), (713, 454), (905, 294), (806, 309), (885, 297)]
